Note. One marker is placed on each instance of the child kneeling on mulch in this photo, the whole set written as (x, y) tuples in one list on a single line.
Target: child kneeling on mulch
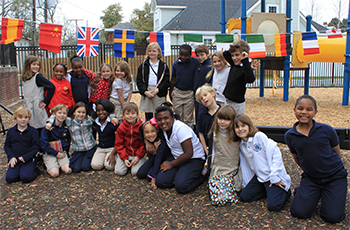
[(261, 158), (223, 160), (21, 145)]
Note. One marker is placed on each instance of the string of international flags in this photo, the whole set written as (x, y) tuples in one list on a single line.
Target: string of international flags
[(88, 40)]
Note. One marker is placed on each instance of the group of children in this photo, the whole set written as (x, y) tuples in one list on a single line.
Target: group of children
[(225, 142)]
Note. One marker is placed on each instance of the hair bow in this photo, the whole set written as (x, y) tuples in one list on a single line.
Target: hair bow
[(154, 122)]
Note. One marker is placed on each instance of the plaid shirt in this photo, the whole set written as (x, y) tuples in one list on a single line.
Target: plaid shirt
[(81, 133)]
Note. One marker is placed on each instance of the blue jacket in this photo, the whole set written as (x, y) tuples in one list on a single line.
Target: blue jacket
[(80, 87), (200, 73), (183, 72), (22, 144), (55, 133)]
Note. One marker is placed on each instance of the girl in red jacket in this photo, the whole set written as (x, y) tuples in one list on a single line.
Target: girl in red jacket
[(63, 92)]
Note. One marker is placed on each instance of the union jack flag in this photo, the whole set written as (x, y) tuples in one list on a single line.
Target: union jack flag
[(87, 41)]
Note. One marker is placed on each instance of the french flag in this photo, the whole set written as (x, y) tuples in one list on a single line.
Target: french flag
[(334, 33), (163, 40), (310, 43)]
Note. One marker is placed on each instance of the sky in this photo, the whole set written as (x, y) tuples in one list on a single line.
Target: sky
[(324, 9), (89, 11)]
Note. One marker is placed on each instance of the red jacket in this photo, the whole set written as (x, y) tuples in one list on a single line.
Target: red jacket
[(127, 140), (63, 94)]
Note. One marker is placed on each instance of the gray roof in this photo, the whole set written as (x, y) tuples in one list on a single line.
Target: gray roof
[(203, 15), (319, 27), (123, 26)]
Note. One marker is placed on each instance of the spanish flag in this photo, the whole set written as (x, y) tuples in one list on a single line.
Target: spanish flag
[(11, 30), (283, 46)]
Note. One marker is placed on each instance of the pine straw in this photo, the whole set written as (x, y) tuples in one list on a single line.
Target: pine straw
[(102, 200)]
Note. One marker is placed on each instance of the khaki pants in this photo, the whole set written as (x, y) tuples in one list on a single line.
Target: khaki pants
[(118, 108), (51, 161), (239, 107), (99, 160), (183, 104), (121, 169)]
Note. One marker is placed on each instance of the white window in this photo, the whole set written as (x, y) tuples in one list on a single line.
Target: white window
[(207, 41), (156, 20), (272, 9)]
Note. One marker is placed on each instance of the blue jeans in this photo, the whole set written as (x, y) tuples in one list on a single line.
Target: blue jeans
[(256, 190)]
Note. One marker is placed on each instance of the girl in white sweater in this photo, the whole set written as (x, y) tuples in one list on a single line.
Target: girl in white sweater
[(262, 165), (217, 77)]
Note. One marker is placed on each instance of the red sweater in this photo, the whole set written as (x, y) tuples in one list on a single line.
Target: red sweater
[(63, 94), (102, 90), (127, 140)]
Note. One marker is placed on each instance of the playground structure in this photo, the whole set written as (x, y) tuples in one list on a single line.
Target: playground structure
[(331, 50)]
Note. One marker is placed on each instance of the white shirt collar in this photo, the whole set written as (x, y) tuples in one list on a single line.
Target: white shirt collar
[(97, 120)]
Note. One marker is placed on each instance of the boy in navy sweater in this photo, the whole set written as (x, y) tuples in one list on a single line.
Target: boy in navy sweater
[(181, 85), (55, 143), (21, 146), (203, 67)]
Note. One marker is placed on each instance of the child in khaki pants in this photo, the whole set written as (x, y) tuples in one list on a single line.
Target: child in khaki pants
[(127, 144), (55, 144), (181, 85), (106, 134)]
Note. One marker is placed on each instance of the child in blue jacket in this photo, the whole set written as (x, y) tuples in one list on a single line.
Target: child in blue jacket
[(54, 157), (21, 146)]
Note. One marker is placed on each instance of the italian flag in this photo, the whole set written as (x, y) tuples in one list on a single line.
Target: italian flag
[(193, 40), (223, 41), (257, 46)]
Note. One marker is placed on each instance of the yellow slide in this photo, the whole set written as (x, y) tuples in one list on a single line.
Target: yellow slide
[(331, 50)]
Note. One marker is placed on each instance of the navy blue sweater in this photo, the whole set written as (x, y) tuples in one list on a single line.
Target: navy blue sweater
[(54, 134), (200, 73), (22, 144), (106, 138), (80, 88), (183, 72)]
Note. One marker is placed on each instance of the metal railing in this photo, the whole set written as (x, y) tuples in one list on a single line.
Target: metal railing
[(321, 74)]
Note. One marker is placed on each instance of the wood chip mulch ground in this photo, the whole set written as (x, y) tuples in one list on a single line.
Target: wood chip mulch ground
[(102, 200)]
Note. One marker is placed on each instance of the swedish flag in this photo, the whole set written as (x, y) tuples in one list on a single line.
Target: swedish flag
[(124, 43)]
